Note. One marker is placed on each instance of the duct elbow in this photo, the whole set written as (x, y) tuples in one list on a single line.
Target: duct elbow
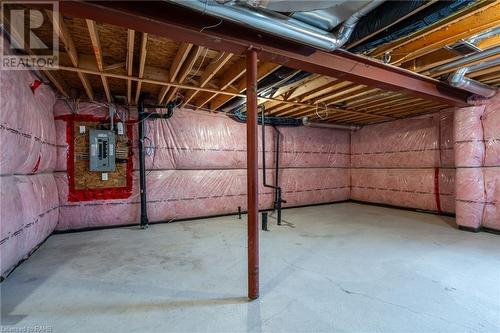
[(457, 78), (475, 87)]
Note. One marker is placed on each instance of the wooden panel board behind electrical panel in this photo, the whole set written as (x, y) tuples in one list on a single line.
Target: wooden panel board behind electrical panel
[(85, 179)]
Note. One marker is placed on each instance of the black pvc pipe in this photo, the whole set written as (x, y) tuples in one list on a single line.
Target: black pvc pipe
[(142, 166), (277, 192), (264, 221), (277, 189), (143, 116)]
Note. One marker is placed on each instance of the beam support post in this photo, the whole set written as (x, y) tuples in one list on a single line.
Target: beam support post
[(252, 176)]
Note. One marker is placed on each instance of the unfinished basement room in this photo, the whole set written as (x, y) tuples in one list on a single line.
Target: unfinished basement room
[(250, 166)]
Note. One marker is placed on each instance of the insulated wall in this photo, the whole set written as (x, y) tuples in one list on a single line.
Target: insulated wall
[(477, 146), (196, 166), (29, 201), (406, 163)]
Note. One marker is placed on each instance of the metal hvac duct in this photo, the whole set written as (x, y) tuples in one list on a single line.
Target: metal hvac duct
[(328, 18), (478, 56), (289, 5), (458, 79), (280, 25), (308, 123), (484, 65)]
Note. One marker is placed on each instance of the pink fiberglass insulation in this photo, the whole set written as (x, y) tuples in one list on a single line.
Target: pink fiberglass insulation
[(196, 167), (410, 188), (491, 215), (194, 140), (180, 194), (406, 163), (468, 135), (27, 131), (477, 146), (29, 213), (408, 143), (491, 130), (29, 201)]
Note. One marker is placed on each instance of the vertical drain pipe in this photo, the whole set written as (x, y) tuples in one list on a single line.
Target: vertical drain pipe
[(252, 176), (277, 189), (142, 117), (277, 195), (142, 164)]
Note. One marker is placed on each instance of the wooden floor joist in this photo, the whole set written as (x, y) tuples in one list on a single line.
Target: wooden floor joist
[(64, 35), (175, 67), (181, 24), (185, 69), (96, 46), (169, 58), (130, 62), (208, 74), (142, 62), (483, 16)]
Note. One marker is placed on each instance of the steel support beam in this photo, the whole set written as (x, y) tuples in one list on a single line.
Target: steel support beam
[(252, 176), (164, 19)]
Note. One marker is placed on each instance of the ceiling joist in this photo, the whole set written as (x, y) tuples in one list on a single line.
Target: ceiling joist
[(96, 46), (199, 72), (142, 62)]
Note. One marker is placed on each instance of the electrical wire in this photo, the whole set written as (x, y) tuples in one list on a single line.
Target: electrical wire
[(326, 112), (211, 26), (143, 119), (178, 96), (154, 159), (205, 109), (221, 54), (70, 107), (199, 66)]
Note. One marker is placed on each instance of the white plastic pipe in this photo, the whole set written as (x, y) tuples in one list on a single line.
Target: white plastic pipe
[(308, 123)]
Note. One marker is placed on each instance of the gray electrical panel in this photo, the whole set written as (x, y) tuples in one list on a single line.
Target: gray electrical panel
[(102, 150)]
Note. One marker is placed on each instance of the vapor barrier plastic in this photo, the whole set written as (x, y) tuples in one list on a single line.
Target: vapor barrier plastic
[(29, 213), (410, 188), (29, 201), (477, 146), (196, 166), (407, 163), (27, 131), (180, 194)]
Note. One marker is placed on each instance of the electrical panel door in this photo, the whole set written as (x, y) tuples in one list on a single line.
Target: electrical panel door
[(102, 150)]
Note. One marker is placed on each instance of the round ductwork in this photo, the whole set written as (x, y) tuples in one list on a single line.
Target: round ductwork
[(292, 5)]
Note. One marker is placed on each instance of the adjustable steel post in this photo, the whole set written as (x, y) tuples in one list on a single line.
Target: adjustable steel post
[(252, 176)]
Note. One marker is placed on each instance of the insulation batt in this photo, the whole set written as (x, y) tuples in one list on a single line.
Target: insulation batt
[(196, 166), (477, 146), (407, 163), (194, 193), (27, 131), (29, 213), (29, 202), (409, 188)]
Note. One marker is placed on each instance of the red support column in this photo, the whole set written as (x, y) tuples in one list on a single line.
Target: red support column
[(252, 176)]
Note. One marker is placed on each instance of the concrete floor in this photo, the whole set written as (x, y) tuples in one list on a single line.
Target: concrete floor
[(344, 267)]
